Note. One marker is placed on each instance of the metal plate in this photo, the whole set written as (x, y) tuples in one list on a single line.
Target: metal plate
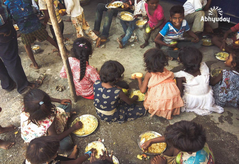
[(114, 5), (99, 146), (222, 56), (206, 42), (115, 160), (139, 94), (140, 23), (90, 123), (150, 135), (126, 16)]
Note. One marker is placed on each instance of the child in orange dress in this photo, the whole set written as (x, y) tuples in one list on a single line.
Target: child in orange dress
[(163, 96)]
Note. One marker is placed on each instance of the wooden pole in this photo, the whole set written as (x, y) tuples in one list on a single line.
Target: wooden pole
[(63, 53)]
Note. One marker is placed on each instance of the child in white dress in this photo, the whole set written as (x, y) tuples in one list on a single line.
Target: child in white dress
[(193, 82)]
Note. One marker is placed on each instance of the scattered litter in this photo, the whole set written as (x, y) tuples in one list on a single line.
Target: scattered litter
[(103, 46), (142, 157), (114, 143), (132, 45), (60, 88)]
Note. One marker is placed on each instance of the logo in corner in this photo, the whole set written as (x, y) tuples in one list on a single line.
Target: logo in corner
[(215, 14)]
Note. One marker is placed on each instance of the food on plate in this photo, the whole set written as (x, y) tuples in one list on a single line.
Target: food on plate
[(125, 90), (155, 148), (216, 72), (206, 42), (173, 42), (127, 17), (141, 22), (114, 5), (115, 160), (222, 56), (89, 122), (99, 146), (138, 75), (140, 95)]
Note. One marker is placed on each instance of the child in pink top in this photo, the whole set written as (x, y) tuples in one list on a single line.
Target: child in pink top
[(84, 75), (156, 20)]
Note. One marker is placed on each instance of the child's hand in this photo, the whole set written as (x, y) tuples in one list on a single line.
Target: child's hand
[(195, 40), (78, 125), (106, 156), (146, 145), (158, 159), (65, 101), (223, 46), (135, 98)]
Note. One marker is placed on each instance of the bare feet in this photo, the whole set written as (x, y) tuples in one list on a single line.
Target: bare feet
[(158, 160), (6, 144), (34, 66), (7, 129), (144, 45), (98, 42), (120, 43), (55, 50), (74, 152), (96, 32)]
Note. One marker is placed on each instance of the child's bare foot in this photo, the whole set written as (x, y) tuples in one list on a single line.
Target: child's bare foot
[(7, 129), (34, 66), (144, 45), (158, 160), (6, 144), (120, 43), (98, 42), (74, 152)]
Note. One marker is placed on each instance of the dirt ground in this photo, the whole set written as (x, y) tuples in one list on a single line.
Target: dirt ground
[(222, 129)]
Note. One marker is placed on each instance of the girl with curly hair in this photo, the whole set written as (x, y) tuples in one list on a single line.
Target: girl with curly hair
[(84, 75), (163, 96), (111, 103)]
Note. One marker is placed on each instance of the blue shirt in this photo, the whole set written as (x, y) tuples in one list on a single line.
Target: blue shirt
[(169, 31), (22, 12), (3, 13)]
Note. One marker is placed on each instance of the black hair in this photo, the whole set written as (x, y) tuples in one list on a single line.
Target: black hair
[(111, 72), (42, 149), (102, 162), (235, 61), (82, 49), (178, 9), (38, 104), (186, 136), (191, 59), (149, 0), (155, 60)]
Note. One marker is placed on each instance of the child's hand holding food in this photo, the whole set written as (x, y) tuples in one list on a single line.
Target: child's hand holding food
[(78, 125), (146, 145)]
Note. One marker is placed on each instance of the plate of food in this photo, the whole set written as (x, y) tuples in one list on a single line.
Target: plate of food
[(126, 16), (216, 71), (115, 160), (36, 48), (154, 149), (206, 42), (114, 5), (140, 23), (222, 56), (90, 123), (98, 146), (137, 93)]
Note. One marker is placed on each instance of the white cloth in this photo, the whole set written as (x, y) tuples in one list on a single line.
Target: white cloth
[(35, 5), (73, 8), (198, 95), (190, 6), (139, 8)]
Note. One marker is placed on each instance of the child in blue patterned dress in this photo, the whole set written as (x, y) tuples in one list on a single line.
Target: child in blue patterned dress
[(111, 103), (226, 84)]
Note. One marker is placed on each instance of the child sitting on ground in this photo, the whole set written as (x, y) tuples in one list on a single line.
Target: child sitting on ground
[(84, 75), (110, 102), (129, 27), (45, 150), (74, 9), (193, 83), (186, 141), (222, 43), (41, 118), (156, 20), (226, 84), (163, 96), (174, 29)]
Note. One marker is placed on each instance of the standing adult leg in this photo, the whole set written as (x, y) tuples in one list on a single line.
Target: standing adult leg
[(98, 16), (108, 20)]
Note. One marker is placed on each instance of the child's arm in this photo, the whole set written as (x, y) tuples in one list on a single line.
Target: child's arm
[(148, 143), (206, 7), (215, 80), (159, 24), (143, 87), (180, 82), (196, 39), (61, 101), (159, 41), (126, 99)]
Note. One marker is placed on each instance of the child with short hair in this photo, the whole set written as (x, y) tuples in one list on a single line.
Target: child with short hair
[(156, 20), (226, 84), (74, 9), (41, 118), (45, 150), (186, 141), (110, 102), (84, 75), (162, 97), (193, 83), (174, 29)]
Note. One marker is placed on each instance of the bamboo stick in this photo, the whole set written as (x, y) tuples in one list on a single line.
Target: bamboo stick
[(63, 52)]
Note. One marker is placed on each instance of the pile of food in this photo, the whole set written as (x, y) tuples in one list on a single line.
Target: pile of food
[(156, 148), (98, 146), (141, 23), (206, 42), (127, 17), (222, 56), (89, 122), (115, 4), (139, 94)]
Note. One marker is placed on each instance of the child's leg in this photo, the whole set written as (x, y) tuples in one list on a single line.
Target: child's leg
[(195, 20), (31, 56), (6, 144), (66, 143), (217, 41), (146, 38), (77, 22), (129, 32), (87, 29), (124, 25)]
